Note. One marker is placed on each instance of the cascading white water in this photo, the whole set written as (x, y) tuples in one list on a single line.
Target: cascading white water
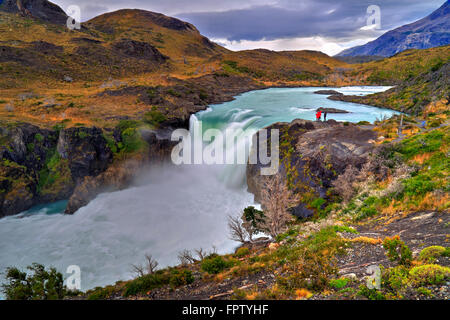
[(168, 209)]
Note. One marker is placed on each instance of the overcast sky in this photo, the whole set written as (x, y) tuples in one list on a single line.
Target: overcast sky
[(326, 25)]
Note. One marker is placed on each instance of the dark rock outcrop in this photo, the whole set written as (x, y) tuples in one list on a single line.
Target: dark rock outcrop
[(332, 110), (40, 165), (120, 175), (312, 155), (328, 92), (140, 50), (41, 9), (86, 151)]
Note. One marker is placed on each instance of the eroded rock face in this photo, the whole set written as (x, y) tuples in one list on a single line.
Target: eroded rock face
[(41, 9), (39, 165), (139, 49), (86, 151), (312, 155), (120, 175)]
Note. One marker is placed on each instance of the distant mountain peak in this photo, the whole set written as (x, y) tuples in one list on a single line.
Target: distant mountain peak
[(431, 31), (41, 9)]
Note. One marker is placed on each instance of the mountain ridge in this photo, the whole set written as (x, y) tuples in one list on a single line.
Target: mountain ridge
[(428, 32)]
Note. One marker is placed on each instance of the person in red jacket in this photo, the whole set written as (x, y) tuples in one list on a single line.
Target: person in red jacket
[(318, 115)]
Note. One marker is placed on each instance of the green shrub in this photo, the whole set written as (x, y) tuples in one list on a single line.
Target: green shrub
[(38, 137), (371, 294), (395, 278), (41, 284), (144, 284), (430, 254), (418, 185), (429, 274), (174, 93), (180, 277), (173, 277), (424, 291), (99, 293), (317, 203), (242, 252), (397, 251), (131, 140), (339, 283), (215, 264), (422, 143), (345, 229), (154, 117)]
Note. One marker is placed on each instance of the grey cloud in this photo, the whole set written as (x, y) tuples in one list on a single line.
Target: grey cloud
[(289, 19), (273, 19)]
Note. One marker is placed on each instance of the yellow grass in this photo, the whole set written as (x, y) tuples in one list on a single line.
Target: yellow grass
[(366, 240), (302, 294)]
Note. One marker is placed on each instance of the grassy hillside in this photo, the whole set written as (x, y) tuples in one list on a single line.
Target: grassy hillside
[(302, 67), (50, 75), (404, 66), (420, 77)]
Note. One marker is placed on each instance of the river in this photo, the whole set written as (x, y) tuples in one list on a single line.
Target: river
[(169, 208)]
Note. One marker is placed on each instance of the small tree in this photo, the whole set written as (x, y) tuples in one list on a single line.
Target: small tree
[(252, 219), (186, 257), (149, 267), (40, 284), (237, 231), (276, 199), (242, 229)]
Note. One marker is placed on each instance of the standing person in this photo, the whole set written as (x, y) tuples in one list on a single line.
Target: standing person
[(318, 115), (325, 116)]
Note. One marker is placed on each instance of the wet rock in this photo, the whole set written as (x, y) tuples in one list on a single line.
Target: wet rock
[(30, 155), (86, 150), (314, 153), (332, 110), (120, 175), (328, 92)]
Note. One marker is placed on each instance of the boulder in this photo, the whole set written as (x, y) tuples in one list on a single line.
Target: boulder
[(328, 92), (332, 110)]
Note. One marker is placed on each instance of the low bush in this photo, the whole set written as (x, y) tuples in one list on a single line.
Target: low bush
[(242, 252), (215, 264), (173, 277), (397, 251), (430, 254), (339, 283), (429, 274)]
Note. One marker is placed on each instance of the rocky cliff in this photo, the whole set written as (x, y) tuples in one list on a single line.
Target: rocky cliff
[(312, 155), (41, 9)]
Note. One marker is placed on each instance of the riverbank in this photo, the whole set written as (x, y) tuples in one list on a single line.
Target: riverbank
[(78, 163)]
